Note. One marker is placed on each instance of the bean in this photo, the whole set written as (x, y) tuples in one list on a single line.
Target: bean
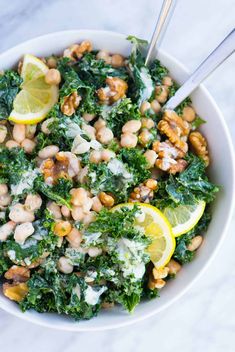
[(48, 152), (145, 106), (79, 196), (104, 55), (174, 267), (12, 144), (23, 231), (45, 124), (97, 205), (188, 114), (156, 107), (167, 81), (74, 238), (28, 145), (128, 140), (64, 265), (5, 199), (19, 132), (131, 126), (6, 230), (88, 117), (99, 124), (95, 157), (18, 214), (106, 154), (104, 135), (151, 157), (30, 131), (77, 213), (3, 189), (65, 211), (94, 251), (33, 202), (195, 243), (54, 209)]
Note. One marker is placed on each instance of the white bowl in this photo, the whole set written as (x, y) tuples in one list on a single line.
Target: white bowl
[(221, 172)]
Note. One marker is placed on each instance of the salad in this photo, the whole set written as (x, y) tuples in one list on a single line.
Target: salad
[(103, 194)]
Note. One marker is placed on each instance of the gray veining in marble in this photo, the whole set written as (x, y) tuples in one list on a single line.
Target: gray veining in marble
[(204, 319)]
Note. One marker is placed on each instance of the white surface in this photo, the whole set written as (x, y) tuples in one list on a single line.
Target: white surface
[(204, 318)]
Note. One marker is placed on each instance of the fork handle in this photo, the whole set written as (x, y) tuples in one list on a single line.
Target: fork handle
[(218, 55)]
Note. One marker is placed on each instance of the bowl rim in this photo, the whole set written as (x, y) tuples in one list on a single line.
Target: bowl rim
[(201, 271)]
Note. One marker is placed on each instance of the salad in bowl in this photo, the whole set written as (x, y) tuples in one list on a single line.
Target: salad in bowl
[(104, 195)]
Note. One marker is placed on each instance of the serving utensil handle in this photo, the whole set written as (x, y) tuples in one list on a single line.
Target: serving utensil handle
[(162, 22), (218, 55)]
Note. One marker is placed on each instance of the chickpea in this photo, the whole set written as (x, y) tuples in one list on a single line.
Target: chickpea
[(147, 123), (54, 209), (145, 137), (48, 152), (19, 214), (167, 81), (3, 133), (33, 202), (94, 251), (95, 157), (99, 124), (45, 124), (51, 62), (6, 230), (174, 267), (5, 200), (53, 77), (131, 126), (79, 196), (3, 189), (74, 238), (161, 93), (188, 114), (145, 106), (28, 145), (64, 265), (104, 55), (156, 107), (151, 184), (88, 117), (12, 144), (151, 157), (23, 231), (77, 213), (19, 132), (106, 199), (117, 60), (104, 135), (62, 228), (195, 243), (129, 140), (30, 131), (97, 205), (106, 155), (65, 211)]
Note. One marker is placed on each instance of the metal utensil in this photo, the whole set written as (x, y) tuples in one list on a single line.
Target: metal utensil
[(218, 55), (163, 20)]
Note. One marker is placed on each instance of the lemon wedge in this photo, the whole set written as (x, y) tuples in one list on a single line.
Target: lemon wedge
[(184, 217), (155, 225), (36, 97)]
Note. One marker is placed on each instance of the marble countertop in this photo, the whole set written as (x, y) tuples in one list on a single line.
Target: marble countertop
[(204, 319)]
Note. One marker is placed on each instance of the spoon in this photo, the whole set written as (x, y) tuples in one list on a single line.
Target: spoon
[(166, 12), (217, 56)]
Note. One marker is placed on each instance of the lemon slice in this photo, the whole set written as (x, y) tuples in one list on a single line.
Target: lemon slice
[(36, 97), (184, 217), (155, 226)]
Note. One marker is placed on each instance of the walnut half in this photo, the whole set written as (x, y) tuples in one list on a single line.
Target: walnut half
[(16, 291), (70, 104), (17, 273), (199, 145)]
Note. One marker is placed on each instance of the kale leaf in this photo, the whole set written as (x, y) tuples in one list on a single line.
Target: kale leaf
[(58, 192), (118, 114), (181, 253), (94, 72), (187, 188), (10, 83), (141, 85)]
